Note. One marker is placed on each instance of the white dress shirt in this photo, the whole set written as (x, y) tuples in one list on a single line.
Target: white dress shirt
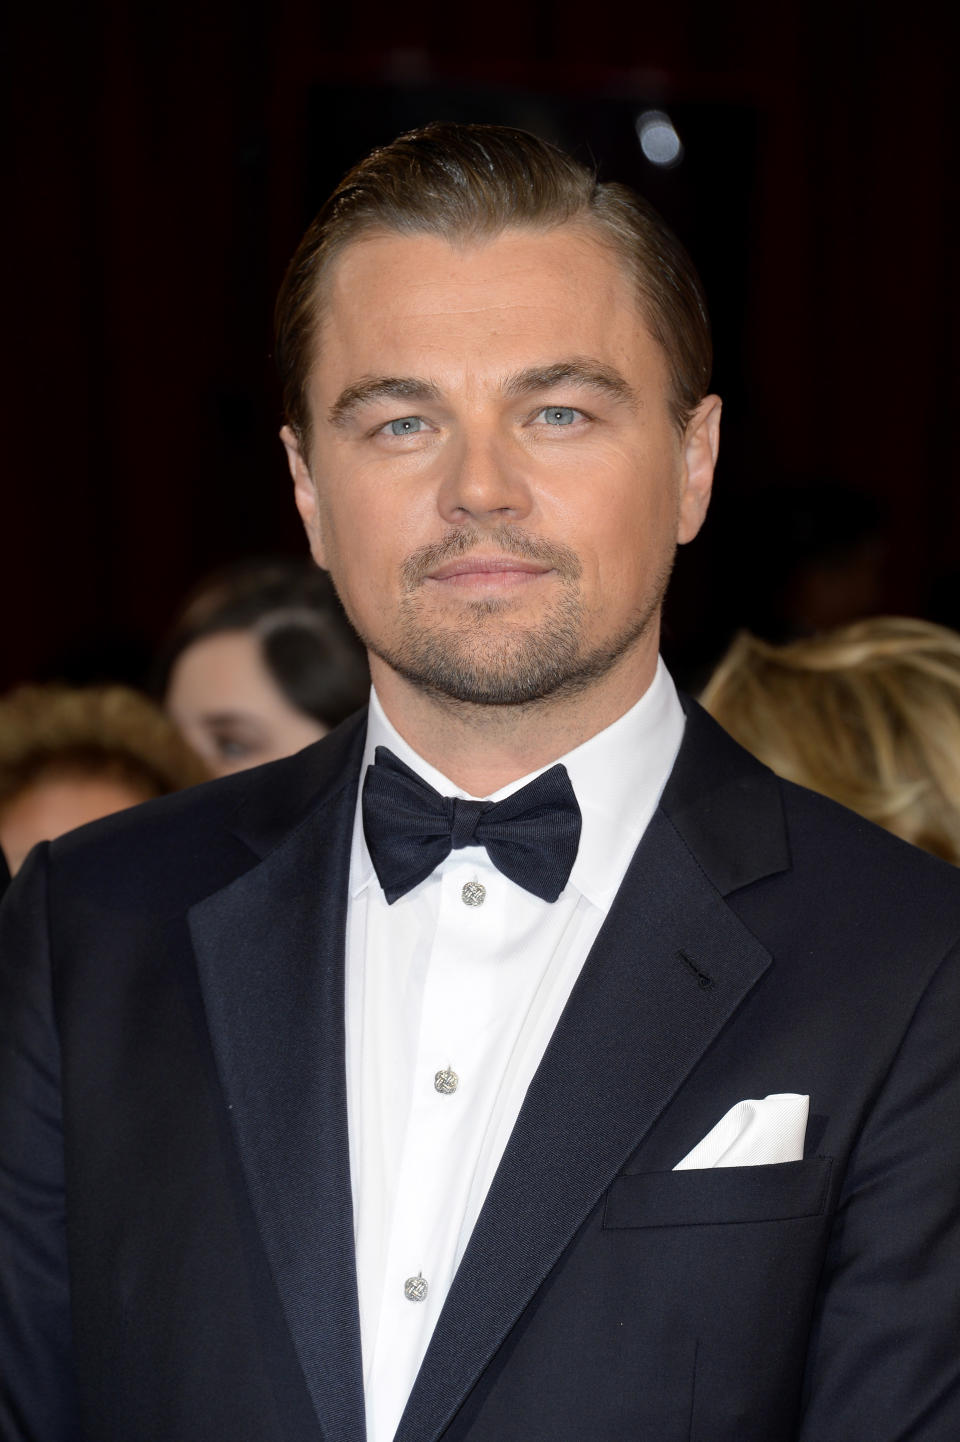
[(434, 985)]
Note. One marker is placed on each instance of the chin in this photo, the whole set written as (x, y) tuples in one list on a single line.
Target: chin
[(515, 667)]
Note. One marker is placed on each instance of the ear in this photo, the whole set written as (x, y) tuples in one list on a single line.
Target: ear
[(305, 495), (701, 442)]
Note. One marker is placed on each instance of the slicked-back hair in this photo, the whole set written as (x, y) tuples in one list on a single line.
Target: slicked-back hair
[(467, 183)]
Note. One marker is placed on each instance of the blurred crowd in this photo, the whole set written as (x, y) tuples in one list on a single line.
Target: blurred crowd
[(261, 662), (867, 714)]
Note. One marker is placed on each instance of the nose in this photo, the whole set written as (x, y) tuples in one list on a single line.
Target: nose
[(485, 479)]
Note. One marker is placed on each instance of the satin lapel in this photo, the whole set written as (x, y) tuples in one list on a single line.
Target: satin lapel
[(270, 954), (670, 966)]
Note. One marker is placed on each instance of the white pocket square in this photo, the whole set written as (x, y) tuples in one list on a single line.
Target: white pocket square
[(754, 1134)]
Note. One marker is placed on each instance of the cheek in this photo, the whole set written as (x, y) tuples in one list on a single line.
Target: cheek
[(361, 569), (197, 735), (629, 532), (367, 539)]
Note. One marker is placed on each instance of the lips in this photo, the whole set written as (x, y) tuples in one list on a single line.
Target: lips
[(465, 566)]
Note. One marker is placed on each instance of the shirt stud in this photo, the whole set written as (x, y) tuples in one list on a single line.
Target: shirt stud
[(415, 1288), (446, 1082), (473, 893)]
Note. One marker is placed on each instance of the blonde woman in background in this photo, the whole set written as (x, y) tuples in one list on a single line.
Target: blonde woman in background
[(68, 756), (868, 714)]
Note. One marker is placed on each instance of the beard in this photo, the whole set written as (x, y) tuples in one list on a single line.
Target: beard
[(486, 658)]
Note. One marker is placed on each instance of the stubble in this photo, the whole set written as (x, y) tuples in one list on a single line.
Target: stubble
[(486, 658)]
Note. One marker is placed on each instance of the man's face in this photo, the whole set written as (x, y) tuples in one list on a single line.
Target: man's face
[(495, 483)]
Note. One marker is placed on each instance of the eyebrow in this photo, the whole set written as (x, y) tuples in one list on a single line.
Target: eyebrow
[(584, 373), (227, 718), (379, 388)]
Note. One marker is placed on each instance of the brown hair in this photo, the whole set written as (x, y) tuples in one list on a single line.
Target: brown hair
[(470, 182), (290, 607), (101, 731), (868, 714)]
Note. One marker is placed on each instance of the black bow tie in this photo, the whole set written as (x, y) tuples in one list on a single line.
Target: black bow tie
[(532, 836)]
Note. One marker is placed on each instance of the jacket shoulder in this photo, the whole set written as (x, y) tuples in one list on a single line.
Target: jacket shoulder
[(745, 823), (183, 846)]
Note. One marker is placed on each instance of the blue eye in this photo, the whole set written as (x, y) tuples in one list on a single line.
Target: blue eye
[(559, 415), (405, 426)]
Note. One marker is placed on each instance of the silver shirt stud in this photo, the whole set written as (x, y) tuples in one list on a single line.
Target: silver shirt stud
[(446, 1082), (473, 893), (415, 1288)]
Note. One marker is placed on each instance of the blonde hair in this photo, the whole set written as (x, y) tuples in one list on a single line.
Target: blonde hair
[(102, 731), (868, 714)]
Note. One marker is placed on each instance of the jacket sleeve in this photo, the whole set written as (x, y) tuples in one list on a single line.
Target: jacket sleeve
[(37, 1391), (884, 1359)]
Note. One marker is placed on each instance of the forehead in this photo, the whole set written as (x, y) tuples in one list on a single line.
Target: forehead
[(223, 663), (423, 305)]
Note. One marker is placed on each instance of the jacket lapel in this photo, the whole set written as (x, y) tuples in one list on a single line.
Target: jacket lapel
[(670, 966), (270, 950)]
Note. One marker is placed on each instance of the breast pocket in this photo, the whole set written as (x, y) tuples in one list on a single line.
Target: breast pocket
[(719, 1196)]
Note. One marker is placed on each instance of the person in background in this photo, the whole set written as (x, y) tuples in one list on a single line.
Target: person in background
[(68, 756), (260, 663), (868, 714)]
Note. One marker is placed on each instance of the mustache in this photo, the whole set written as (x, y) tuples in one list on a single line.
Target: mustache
[(512, 540)]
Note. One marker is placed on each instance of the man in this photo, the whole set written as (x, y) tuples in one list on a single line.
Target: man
[(338, 1102)]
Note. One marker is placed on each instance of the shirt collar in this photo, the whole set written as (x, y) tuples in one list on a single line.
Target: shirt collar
[(618, 776)]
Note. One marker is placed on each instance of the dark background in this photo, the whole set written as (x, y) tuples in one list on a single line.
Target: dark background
[(164, 160)]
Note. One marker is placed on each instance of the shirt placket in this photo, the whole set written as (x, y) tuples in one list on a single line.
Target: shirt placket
[(449, 1111)]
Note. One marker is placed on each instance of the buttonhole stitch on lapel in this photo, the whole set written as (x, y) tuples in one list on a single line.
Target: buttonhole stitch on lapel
[(704, 981)]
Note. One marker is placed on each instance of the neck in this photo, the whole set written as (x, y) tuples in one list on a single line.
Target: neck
[(482, 748)]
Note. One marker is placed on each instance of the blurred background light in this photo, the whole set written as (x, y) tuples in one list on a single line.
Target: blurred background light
[(658, 138)]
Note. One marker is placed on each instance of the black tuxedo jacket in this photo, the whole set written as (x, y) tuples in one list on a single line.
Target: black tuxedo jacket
[(176, 1249)]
